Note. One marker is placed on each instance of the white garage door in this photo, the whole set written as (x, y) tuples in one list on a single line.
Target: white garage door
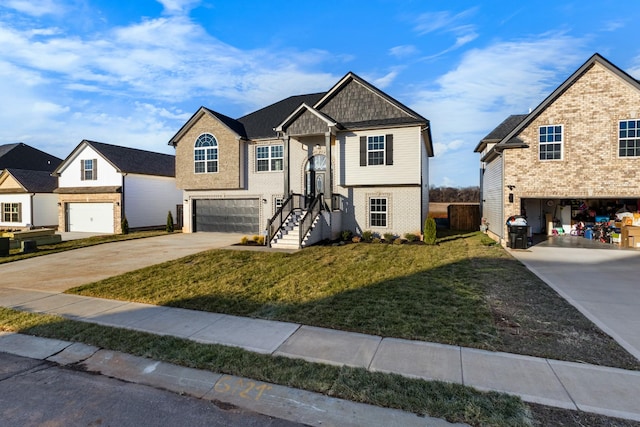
[(91, 217)]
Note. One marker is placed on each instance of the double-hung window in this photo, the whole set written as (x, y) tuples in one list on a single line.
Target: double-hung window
[(375, 150), (629, 138), (11, 212), (378, 212), (550, 138), (269, 158), (205, 155), (89, 170)]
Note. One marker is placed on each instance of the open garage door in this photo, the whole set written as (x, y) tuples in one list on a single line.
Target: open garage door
[(227, 215), (90, 217)]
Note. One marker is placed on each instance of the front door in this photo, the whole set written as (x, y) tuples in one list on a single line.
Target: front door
[(315, 176)]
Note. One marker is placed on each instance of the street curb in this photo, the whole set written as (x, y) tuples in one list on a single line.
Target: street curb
[(313, 409)]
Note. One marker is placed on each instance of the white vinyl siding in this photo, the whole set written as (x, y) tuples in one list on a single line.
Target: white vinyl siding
[(148, 199), (70, 176), (492, 205), (45, 209), (406, 167)]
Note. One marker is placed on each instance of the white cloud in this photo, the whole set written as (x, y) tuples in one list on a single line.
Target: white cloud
[(178, 7), (403, 51), (35, 7), (488, 85), (447, 23)]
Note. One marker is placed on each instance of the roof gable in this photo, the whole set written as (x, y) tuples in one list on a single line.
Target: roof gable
[(23, 156), (126, 160), (353, 102), (29, 181), (595, 58), (306, 120)]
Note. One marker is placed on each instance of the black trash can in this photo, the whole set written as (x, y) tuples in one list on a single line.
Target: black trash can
[(518, 236), (4, 246)]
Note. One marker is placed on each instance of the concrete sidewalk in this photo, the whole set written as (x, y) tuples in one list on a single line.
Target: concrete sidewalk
[(607, 391)]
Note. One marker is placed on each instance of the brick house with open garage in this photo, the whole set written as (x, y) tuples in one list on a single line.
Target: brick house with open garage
[(307, 167), (572, 160)]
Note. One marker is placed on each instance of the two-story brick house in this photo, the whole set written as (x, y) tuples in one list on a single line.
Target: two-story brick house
[(576, 156), (353, 157)]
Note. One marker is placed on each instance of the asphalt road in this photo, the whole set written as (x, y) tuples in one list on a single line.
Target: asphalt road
[(38, 393)]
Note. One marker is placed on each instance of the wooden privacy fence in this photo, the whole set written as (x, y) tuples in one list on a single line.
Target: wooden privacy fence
[(464, 217)]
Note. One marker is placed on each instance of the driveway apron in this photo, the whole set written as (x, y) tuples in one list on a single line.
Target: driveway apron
[(61, 271), (603, 284)]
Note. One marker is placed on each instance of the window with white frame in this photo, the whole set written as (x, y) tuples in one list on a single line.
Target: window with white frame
[(378, 212), (89, 170), (269, 158), (375, 150), (205, 155), (11, 212), (629, 138), (550, 142), (277, 203)]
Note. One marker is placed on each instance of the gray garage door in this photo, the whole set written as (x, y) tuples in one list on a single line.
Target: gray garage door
[(226, 215)]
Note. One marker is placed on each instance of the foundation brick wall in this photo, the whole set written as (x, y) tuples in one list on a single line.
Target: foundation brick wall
[(589, 111)]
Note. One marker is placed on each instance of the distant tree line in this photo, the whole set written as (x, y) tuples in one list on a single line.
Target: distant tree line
[(452, 194)]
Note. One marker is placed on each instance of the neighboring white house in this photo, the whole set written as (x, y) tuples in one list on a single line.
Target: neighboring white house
[(352, 158), (101, 184), (27, 199)]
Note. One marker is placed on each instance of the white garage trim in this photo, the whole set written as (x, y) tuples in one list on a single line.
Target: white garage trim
[(90, 217)]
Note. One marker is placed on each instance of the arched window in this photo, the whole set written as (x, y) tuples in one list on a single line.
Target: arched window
[(205, 155)]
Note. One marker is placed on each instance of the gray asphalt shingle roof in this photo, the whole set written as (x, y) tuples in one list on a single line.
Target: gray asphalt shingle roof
[(35, 181), (133, 160), (23, 156), (260, 124)]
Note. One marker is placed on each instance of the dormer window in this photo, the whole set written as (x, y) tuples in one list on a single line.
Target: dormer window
[(205, 155)]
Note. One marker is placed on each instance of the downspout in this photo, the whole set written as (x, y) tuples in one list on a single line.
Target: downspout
[(122, 199), (31, 213), (287, 154)]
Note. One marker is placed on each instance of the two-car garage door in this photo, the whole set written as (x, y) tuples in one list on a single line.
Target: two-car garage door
[(226, 215), (90, 217)]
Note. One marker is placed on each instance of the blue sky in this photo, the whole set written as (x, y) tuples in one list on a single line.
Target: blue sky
[(131, 73)]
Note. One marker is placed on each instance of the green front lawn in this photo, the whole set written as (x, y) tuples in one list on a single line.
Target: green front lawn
[(461, 291)]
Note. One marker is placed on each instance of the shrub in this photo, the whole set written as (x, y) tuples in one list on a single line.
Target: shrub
[(346, 235), (399, 241), (244, 240), (169, 223), (389, 237), (356, 239), (376, 240), (125, 225), (430, 231), (367, 236), (410, 237), (260, 240), (256, 238)]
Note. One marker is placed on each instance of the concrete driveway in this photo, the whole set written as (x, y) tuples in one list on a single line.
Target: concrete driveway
[(603, 284), (61, 271)]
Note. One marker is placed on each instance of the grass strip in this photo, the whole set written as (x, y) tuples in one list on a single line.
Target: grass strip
[(16, 254), (453, 402)]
